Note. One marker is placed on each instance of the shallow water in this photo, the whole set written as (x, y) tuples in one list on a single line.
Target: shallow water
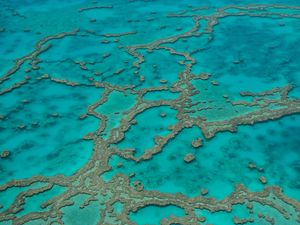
[(149, 112)]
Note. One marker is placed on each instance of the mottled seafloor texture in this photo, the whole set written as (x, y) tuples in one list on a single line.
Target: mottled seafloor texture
[(149, 112)]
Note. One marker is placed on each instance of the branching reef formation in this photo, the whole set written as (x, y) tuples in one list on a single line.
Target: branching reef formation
[(88, 184)]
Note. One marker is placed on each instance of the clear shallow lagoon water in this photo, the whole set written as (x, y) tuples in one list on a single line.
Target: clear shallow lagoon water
[(149, 112)]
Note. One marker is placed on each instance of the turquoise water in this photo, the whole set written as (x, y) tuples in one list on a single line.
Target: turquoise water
[(154, 214), (149, 112)]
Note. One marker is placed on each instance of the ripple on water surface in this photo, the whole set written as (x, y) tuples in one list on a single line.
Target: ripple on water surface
[(41, 125)]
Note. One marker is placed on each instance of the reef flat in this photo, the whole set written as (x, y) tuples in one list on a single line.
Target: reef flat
[(149, 112)]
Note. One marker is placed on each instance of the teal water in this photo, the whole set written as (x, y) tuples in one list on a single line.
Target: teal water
[(154, 214), (149, 112)]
